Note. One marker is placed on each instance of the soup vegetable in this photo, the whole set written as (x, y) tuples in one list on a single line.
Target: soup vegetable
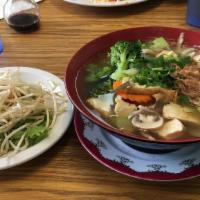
[(27, 112), (148, 88)]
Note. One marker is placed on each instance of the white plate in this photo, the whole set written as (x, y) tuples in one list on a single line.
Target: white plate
[(97, 3), (31, 75)]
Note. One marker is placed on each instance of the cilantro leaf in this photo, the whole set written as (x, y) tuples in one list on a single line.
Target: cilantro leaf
[(156, 72), (183, 99), (36, 134), (95, 73), (101, 87)]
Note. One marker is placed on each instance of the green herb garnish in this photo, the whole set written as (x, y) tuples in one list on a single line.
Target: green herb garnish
[(156, 72), (183, 99)]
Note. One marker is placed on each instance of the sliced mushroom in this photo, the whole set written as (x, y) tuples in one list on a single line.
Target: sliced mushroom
[(146, 119)]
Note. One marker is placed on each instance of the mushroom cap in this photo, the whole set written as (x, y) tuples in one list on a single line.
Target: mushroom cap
[(146, 119)]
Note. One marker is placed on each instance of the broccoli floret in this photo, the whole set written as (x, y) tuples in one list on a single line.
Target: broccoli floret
[(123, 54), (119, 74)]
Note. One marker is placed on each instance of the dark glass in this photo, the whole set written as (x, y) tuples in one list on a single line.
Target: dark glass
[(22, 15), (24, 22)]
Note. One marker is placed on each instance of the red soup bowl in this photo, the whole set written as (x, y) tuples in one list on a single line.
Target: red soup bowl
[(103, 43)]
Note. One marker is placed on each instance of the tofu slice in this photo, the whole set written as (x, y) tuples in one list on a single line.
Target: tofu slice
[(193, 129), (122, 108), (183, 113), (171, 130), (102, 104)]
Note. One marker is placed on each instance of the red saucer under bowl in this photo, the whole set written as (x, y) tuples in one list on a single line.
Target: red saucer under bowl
[(116, 155)]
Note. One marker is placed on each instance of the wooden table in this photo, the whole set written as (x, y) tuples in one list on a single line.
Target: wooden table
[(67, 171)]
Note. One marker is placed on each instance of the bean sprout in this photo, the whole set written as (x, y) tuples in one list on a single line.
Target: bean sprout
[(27, 112)]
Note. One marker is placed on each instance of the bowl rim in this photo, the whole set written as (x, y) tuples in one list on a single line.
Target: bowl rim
[(83, 109)]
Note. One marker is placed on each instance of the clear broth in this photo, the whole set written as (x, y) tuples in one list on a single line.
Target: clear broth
[(123, 124)]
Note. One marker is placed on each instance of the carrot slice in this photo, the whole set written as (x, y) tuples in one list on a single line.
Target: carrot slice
[(133, 98), (116, 84), (138, 99)]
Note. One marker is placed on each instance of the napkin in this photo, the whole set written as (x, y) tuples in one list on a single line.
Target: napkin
[(2, 2)]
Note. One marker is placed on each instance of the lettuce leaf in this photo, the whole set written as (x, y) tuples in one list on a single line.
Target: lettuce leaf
[(36, 134)]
